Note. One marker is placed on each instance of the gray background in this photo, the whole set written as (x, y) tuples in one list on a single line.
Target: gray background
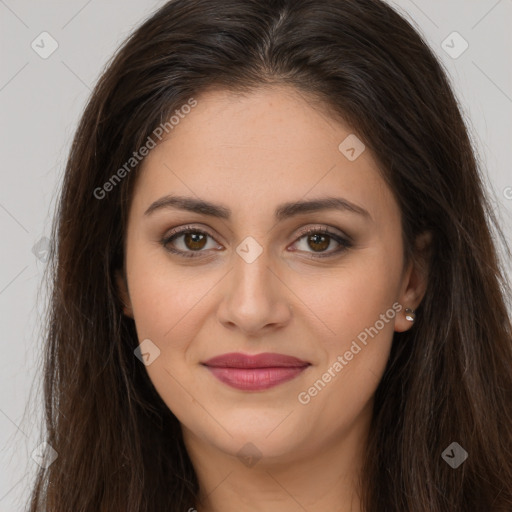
[(41, 101)]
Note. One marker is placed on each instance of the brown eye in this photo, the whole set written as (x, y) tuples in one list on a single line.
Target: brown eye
[(194, 241), (188, 242), (318, 240)]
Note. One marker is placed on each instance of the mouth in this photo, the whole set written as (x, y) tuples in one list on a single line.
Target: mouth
[(255, 373)]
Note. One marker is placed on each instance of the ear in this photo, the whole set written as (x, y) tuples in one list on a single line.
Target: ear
[(122, 289), (415, 280)]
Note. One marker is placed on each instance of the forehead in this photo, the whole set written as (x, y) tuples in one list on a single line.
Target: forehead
[(266, 147)]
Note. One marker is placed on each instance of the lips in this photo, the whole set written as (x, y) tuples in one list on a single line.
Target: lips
[(254, 373), (265, 360)]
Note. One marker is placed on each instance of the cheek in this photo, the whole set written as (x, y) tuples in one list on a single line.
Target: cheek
[(359, 307), (166, 303), (344, 383), (164, 295), (350, 297)]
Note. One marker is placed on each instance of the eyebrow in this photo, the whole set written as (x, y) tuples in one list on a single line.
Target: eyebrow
[(283, 211)]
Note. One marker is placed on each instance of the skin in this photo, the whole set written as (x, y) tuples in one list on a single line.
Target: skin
[(251, 153)]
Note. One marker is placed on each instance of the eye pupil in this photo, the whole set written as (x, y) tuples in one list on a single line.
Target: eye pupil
[(316, 240), (194, 238)]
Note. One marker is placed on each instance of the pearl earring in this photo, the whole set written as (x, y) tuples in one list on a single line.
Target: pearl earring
[(410, 314)]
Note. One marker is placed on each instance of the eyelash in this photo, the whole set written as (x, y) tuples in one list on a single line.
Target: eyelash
[(344, 242)]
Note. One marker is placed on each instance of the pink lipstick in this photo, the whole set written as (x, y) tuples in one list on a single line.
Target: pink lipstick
[(255, 373)]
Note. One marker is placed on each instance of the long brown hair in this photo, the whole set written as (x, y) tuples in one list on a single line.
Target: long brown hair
[(448, 378)]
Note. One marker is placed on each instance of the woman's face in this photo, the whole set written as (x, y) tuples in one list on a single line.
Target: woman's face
[(248, 279)]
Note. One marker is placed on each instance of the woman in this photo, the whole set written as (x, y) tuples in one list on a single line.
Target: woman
[(275, 281)]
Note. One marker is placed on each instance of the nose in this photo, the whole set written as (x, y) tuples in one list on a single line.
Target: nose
[(256, 299)]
